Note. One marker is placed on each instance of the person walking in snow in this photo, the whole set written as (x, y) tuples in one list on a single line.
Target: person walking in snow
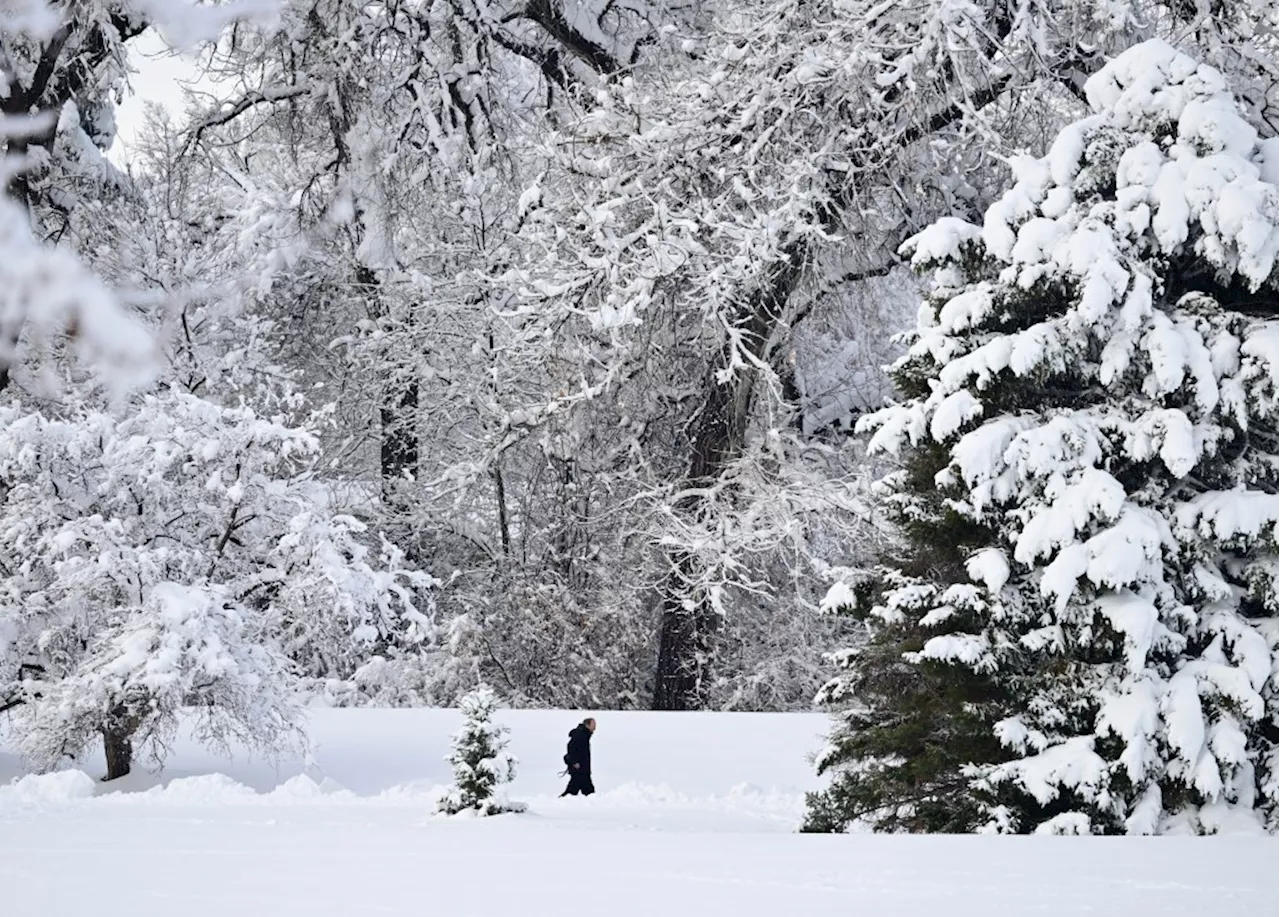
[(577, 759)]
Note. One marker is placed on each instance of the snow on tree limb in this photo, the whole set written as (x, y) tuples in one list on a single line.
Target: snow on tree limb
[(53, 68), (178, 555), (1086, 404)]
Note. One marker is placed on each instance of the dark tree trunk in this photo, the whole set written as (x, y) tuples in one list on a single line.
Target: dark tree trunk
[(504, 524), (400, 434), (685, 645), (119, 752), (686, 641), (117, 742), (398, 414)]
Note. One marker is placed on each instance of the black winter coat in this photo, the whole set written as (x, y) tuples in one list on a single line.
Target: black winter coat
[(579, 751)]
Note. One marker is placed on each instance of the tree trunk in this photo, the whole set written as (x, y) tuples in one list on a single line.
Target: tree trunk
[(399, 457), (686, 641), (685, 645), (117, 742)]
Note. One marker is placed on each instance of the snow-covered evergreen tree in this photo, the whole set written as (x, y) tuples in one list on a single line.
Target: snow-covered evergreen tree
[(1084, 638), (481, 763)]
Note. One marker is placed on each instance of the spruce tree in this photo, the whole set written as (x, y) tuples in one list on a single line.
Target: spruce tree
[(1082, 635), (481, 763)]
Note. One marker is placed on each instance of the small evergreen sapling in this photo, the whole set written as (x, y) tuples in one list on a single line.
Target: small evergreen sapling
[(481, 763)]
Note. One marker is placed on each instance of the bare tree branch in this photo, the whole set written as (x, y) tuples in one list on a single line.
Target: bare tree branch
[(555, 25), (249, 100)]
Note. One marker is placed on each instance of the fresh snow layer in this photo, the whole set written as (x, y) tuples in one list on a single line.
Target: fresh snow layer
[(696, 816)]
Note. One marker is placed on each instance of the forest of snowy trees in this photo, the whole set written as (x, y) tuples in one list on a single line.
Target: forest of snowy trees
[(914, 358)]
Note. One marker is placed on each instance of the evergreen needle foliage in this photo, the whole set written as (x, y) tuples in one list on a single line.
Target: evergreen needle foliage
[(481, 763), (1083, 638)]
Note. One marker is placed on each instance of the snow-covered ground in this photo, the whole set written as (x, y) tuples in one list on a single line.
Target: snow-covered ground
[(696, 816)]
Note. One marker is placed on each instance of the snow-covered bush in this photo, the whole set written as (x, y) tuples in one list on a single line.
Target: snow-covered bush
[(481, 763), (182, 646), (177, 555), (1085, 638)]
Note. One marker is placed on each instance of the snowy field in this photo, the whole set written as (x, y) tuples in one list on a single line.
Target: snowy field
[(696, 816)]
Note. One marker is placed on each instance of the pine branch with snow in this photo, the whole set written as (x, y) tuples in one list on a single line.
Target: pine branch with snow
[(1085, 639)]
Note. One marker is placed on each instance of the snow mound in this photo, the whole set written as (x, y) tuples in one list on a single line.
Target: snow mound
[(414, 792), (205, 789), (303, 788), (744, 798), (219, 789), (38, 789)]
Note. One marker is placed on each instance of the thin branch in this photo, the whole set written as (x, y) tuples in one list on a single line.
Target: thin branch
[(251, 99), (547, 59)]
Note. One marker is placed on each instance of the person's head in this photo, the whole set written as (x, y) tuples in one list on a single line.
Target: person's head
[(590, 723)]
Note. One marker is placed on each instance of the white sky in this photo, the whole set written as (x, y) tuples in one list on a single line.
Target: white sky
[(159, 77)]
